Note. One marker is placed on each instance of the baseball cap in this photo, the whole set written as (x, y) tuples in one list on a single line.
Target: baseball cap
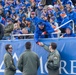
[(9, 19), (32, 13), (41, 24), (28, 19)]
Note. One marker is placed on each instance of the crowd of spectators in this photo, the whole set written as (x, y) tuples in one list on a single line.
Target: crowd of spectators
[(23, 16)]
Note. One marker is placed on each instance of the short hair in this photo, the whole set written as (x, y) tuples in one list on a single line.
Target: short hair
[(28, 45), (54, 45), (18, 1), (7, 46)]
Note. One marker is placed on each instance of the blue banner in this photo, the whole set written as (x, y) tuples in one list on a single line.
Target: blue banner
[(66, 48)]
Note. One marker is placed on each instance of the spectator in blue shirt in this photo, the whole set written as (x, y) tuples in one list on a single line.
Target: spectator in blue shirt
[(22, 1), (30, 28), (34, 18), (64, 2), (68, 32), (7, 7), (43, 30), (71, 14), (58, 17), (45, 19), (17, 30), (39, 10), (64, 20), (18, 6), (21, 12), (2, 3), (8, 13), (13, 11)]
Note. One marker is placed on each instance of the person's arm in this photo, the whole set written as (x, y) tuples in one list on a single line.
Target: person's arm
[(61, 5), (8, 29), (44, 46), (36, 35), (20, 63), (49, 29), (10, 64)]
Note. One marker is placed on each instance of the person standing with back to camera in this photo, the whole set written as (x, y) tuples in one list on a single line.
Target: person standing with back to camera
[(28, 62), (53, 60)]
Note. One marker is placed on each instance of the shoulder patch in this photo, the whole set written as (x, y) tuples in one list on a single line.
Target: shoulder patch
[(11, 61), (55, 57)]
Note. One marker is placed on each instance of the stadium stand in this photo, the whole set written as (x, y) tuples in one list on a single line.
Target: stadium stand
[(21, 17)]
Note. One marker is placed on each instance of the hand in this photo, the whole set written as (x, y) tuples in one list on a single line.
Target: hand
[(24, 31), (40, 43), (43, 33)]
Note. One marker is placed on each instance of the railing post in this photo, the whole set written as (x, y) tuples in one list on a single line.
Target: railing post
[(73, 26)]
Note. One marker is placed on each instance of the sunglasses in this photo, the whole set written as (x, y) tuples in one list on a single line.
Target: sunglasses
[(10, 48)]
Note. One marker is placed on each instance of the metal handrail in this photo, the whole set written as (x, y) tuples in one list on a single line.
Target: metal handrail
[(12, 36), (22, 34), (65, 24)]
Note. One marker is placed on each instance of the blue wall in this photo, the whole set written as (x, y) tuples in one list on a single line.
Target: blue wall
[(66, 47)]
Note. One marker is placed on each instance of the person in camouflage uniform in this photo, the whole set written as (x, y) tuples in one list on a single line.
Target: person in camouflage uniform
[(28, 62), (10, 68), (53, 60)]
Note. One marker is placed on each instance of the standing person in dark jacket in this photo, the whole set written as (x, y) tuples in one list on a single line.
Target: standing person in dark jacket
[(28, 62), (10, 68), (1, 31), (53, 61)]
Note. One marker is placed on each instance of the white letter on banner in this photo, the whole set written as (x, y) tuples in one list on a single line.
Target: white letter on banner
[(73, 67), (46, 67), (63, 67), (41, 65)]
